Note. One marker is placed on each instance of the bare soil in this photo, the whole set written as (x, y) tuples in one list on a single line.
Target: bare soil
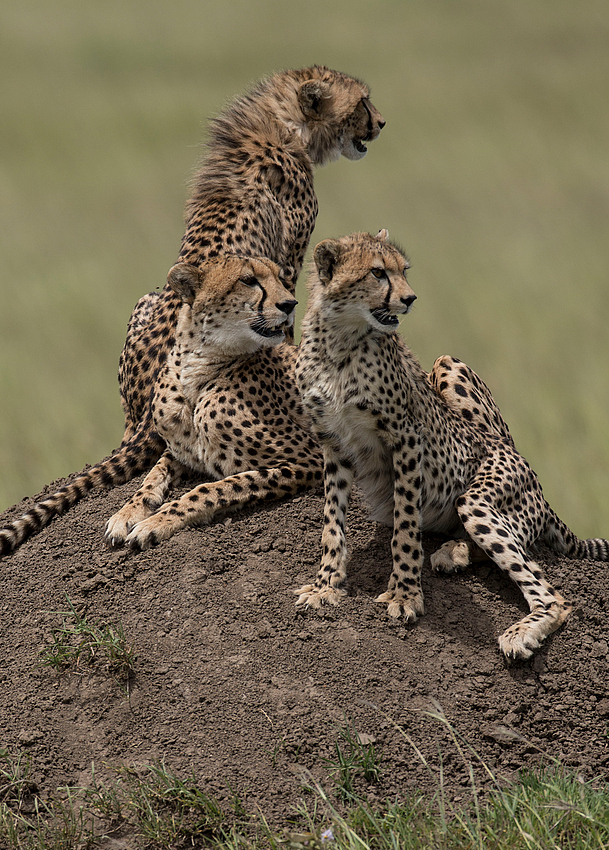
[(234, 685)]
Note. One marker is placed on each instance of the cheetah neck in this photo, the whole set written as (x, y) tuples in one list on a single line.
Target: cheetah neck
[(199, 366), (355, 354), (339, 341)]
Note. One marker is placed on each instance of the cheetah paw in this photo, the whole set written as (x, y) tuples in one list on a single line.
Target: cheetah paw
[(520, 641), (410, 608), (143, 536), (311, 596), (123, 522), (116, 531), (451, 556), (517, 646)]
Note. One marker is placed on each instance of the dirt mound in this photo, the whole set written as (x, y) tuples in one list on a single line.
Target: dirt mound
[(235, 685)]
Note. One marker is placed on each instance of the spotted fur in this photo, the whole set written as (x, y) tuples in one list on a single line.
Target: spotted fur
[(431, 452), (253, 195), (225, 403)]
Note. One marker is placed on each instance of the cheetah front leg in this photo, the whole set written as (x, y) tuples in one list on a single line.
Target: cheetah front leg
[(146, 500), (404, 594), (205, 502), (328, 585)]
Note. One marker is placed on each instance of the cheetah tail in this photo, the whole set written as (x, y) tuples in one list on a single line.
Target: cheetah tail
[(133, 457), (561, 539)]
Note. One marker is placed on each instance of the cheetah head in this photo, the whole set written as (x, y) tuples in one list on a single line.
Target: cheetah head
[(339, 117), (360, 282), (232, 304)]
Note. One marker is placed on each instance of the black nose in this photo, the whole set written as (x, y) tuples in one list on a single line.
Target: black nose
[(409, 301), (286, 306), (381, 124)]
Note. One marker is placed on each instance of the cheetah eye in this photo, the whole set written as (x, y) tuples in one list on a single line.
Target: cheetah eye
[(379, 274), (250, 280)]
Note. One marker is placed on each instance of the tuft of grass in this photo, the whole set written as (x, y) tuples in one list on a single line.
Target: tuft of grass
[(162, 809), (77, 642), (27, 822), (353, 759)]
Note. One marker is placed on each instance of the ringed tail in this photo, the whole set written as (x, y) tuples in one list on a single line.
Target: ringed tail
[(132, 458), (561, 539)]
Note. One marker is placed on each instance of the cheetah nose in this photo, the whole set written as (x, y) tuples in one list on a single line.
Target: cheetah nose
[(287, 306), (408, 301), (381, 122)]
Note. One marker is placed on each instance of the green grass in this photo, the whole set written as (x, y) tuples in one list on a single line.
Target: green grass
[(151, 807), (492, 171), (78, 642), (353, 759)]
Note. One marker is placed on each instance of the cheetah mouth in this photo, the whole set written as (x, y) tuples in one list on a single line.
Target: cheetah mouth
[(384, 317), (260, 327), (359, 146)]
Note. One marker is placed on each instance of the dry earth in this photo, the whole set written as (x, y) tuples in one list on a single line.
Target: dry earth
[(234, 685)]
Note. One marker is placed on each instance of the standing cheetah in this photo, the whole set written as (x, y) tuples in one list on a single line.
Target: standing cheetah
[(431, 453), (253, 195), (225, 402)]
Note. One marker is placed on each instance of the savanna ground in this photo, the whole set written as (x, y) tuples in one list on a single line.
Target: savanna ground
[(493, 172), (235, 687)]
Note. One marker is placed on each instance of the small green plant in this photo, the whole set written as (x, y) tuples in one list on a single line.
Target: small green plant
[(353, 758), (78, 642)]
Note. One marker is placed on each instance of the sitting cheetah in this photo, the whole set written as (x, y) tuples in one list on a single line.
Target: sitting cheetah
[(253, 195), (430, 452), (225, 403)]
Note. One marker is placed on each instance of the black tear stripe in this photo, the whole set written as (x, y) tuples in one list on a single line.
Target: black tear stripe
[(369, 135)]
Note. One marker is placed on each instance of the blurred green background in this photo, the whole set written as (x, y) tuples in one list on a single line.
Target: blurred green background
[(493, 172)]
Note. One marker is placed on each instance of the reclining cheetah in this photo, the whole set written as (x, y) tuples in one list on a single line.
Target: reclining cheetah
[(430, 452), (253, 195), (225, 402)]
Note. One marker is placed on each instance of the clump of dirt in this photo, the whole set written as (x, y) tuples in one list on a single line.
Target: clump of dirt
[(236, 686)]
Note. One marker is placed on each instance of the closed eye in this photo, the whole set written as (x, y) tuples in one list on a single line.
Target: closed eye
[(250, 280), (379, 274)]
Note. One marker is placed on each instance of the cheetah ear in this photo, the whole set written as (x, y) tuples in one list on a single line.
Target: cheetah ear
[(288, 274), (185, 280), (382, 235), (326, 256), (312, 96)]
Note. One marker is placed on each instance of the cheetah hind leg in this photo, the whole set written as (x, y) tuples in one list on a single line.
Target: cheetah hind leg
[(524, 637), (548, 609), (461, 389)]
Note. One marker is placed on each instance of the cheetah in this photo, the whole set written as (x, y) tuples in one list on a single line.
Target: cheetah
[(252, 195), (430, 452), (225, 403)]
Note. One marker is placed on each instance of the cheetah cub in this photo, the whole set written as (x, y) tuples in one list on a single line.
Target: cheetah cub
[(225, 403), (430, 452)]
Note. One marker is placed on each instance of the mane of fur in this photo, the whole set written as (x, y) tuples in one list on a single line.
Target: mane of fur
[(268, 116)]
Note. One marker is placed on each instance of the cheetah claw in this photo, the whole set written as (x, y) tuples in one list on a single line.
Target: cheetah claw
[(410, 609), (311, 596)]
